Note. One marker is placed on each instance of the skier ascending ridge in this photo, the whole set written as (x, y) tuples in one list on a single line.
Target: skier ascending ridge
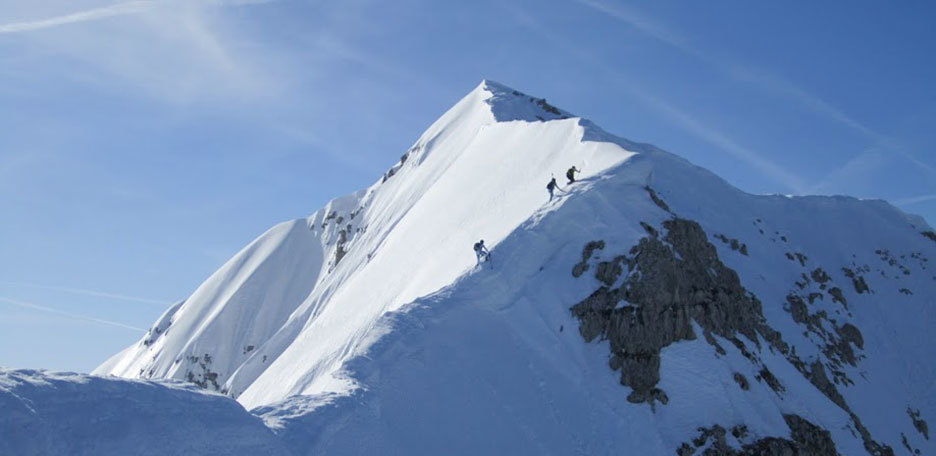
[(481, 251), (570, 174)]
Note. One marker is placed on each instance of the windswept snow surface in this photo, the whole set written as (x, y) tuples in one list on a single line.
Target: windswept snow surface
[(494, 363), (72, 414), (469, 177), (368, 328)]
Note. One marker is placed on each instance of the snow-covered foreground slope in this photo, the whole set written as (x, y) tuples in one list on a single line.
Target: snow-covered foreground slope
[(73, 414), (652, 309), (496, 363)]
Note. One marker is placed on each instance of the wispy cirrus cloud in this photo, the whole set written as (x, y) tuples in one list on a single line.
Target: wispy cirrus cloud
[(172, 50), (667, 109), (857, 169), (119, 9), (95, 293), (863, 166), (190, 51), (915, 200), (742, 72), (33, 306), (769, 82), (641, 22), (778, 85), (722, 141)]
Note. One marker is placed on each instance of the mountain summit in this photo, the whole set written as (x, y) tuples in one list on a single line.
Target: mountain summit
[(310, 292), (650, 308)]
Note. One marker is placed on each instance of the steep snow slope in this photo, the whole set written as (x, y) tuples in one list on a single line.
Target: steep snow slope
[(237, 308), (495, 363), (282, 316), (653, 308), (73, 414)]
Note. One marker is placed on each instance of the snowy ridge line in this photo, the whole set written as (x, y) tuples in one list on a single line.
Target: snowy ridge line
[(348, 236), (428, 356), (784, 323)]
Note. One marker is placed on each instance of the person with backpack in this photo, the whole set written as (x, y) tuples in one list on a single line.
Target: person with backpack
[(481, 251), (552, 186), (570, 174)]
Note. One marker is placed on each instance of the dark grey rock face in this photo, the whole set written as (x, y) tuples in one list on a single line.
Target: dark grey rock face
[(805, 439), (733, 243), (671, 282), (838, 343), (656, 199), (801, 258), (918, 422), (838, 347), (674, 277), (200, 372), (340, 251), (741, 380), (894, 260), (857, 281), (810, 438), (587, 252), (837, 296), (820, 276), (609, 271), (930, 235)]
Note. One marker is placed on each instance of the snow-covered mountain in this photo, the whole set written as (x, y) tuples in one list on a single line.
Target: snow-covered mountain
[(650, 309), (309, 292)]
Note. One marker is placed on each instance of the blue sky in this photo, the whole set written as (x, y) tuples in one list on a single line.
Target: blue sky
[(145, 142)]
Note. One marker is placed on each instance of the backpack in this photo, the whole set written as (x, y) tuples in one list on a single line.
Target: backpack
[(551, 185), (569, 173), (477, 246)]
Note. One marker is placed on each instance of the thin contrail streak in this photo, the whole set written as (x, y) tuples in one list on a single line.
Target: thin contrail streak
[(102, 294), (29, 305), (119, 9), (767, 81), (675, 115), (722, 141), (914, 200)]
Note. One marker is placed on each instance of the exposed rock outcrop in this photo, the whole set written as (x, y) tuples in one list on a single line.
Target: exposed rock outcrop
[(818, 378), (676, 278), (931, 235), (892, 260), (741, 381), (918, 423), (805, 439), (733, 243), (820, 276), (838, 296), (200, 372), (671, 282), (587, 252), (857, 280), (838, 343), (656, 199), (340, 250)]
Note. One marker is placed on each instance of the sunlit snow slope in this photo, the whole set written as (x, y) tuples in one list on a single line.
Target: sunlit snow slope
[(653, 309), (496, 364), (282, 316)]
